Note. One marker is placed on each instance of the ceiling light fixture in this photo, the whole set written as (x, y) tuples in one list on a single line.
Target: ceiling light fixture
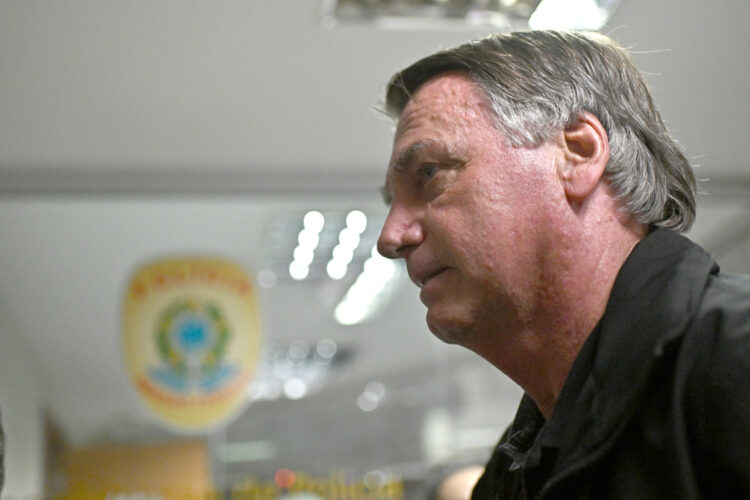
[(447, 14), (349, 239), (370, 291), (572, 14), (307, 241), (318, 246), (429, 14)]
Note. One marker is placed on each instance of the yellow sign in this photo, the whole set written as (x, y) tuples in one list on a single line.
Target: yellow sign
[(191, 339)]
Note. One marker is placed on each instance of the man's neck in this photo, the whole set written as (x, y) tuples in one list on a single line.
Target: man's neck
[(541, 354)]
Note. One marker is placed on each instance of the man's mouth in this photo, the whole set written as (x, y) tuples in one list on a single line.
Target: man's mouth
[(423, 281)]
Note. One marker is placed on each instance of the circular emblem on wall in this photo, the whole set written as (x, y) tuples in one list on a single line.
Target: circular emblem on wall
[(191, 339)]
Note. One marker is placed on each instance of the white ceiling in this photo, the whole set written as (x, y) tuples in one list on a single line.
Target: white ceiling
[(135, 129)]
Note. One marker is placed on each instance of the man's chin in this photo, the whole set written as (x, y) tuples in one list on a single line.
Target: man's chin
[(444, 328)]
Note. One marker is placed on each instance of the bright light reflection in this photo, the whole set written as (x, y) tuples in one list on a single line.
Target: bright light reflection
[(349, 237), (298, 271), (568, 14), (375, 266), (368, 292), (314, 221), (343, 254), (272, 391), (304, 255), (357, 221), (336, 269), (308, 239), (295, 388)]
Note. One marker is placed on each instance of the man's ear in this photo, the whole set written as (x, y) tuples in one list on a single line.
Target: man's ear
[(586, 150)]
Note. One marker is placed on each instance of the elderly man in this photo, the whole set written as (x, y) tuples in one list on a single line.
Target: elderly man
[(536, 198)]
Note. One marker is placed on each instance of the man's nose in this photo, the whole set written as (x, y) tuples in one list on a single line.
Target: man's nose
[(402, 230)]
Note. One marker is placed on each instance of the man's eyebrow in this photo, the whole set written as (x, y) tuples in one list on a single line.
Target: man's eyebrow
[(400, 163), (403, 160), (407, 155)]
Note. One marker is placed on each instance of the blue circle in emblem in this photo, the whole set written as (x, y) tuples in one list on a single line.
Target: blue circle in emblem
[(193, 334)]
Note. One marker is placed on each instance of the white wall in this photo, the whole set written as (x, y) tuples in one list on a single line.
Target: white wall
[(20, 407)]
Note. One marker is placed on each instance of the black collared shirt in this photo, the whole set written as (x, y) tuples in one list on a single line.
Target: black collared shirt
[(525, 456)]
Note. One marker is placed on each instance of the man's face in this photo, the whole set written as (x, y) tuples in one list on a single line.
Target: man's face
[(469, 213)]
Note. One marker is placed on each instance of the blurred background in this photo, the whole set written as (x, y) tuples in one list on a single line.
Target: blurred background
[(134, 130)]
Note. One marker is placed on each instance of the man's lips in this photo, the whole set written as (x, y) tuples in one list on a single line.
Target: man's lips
[(423, 279)]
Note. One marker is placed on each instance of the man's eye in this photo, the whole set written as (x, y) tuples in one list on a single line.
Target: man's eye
[(427, 171)]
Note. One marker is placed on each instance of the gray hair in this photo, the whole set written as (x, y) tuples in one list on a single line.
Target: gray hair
[(538, 82)]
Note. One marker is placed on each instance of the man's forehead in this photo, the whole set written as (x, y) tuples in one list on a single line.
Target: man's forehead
[(443, 92), (445, 101)]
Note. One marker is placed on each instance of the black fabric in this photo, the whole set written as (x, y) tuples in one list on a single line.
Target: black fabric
[(656, 404)]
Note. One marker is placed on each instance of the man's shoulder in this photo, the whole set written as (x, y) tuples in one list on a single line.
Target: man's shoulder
[(716, 400), (725, 306), (716, 350), (718, 335)]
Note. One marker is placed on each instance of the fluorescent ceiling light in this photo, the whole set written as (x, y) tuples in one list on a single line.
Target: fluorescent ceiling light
[(462, 14), (317, 246), (429, 14), (314, 221), (370, 291), (571, 14)]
